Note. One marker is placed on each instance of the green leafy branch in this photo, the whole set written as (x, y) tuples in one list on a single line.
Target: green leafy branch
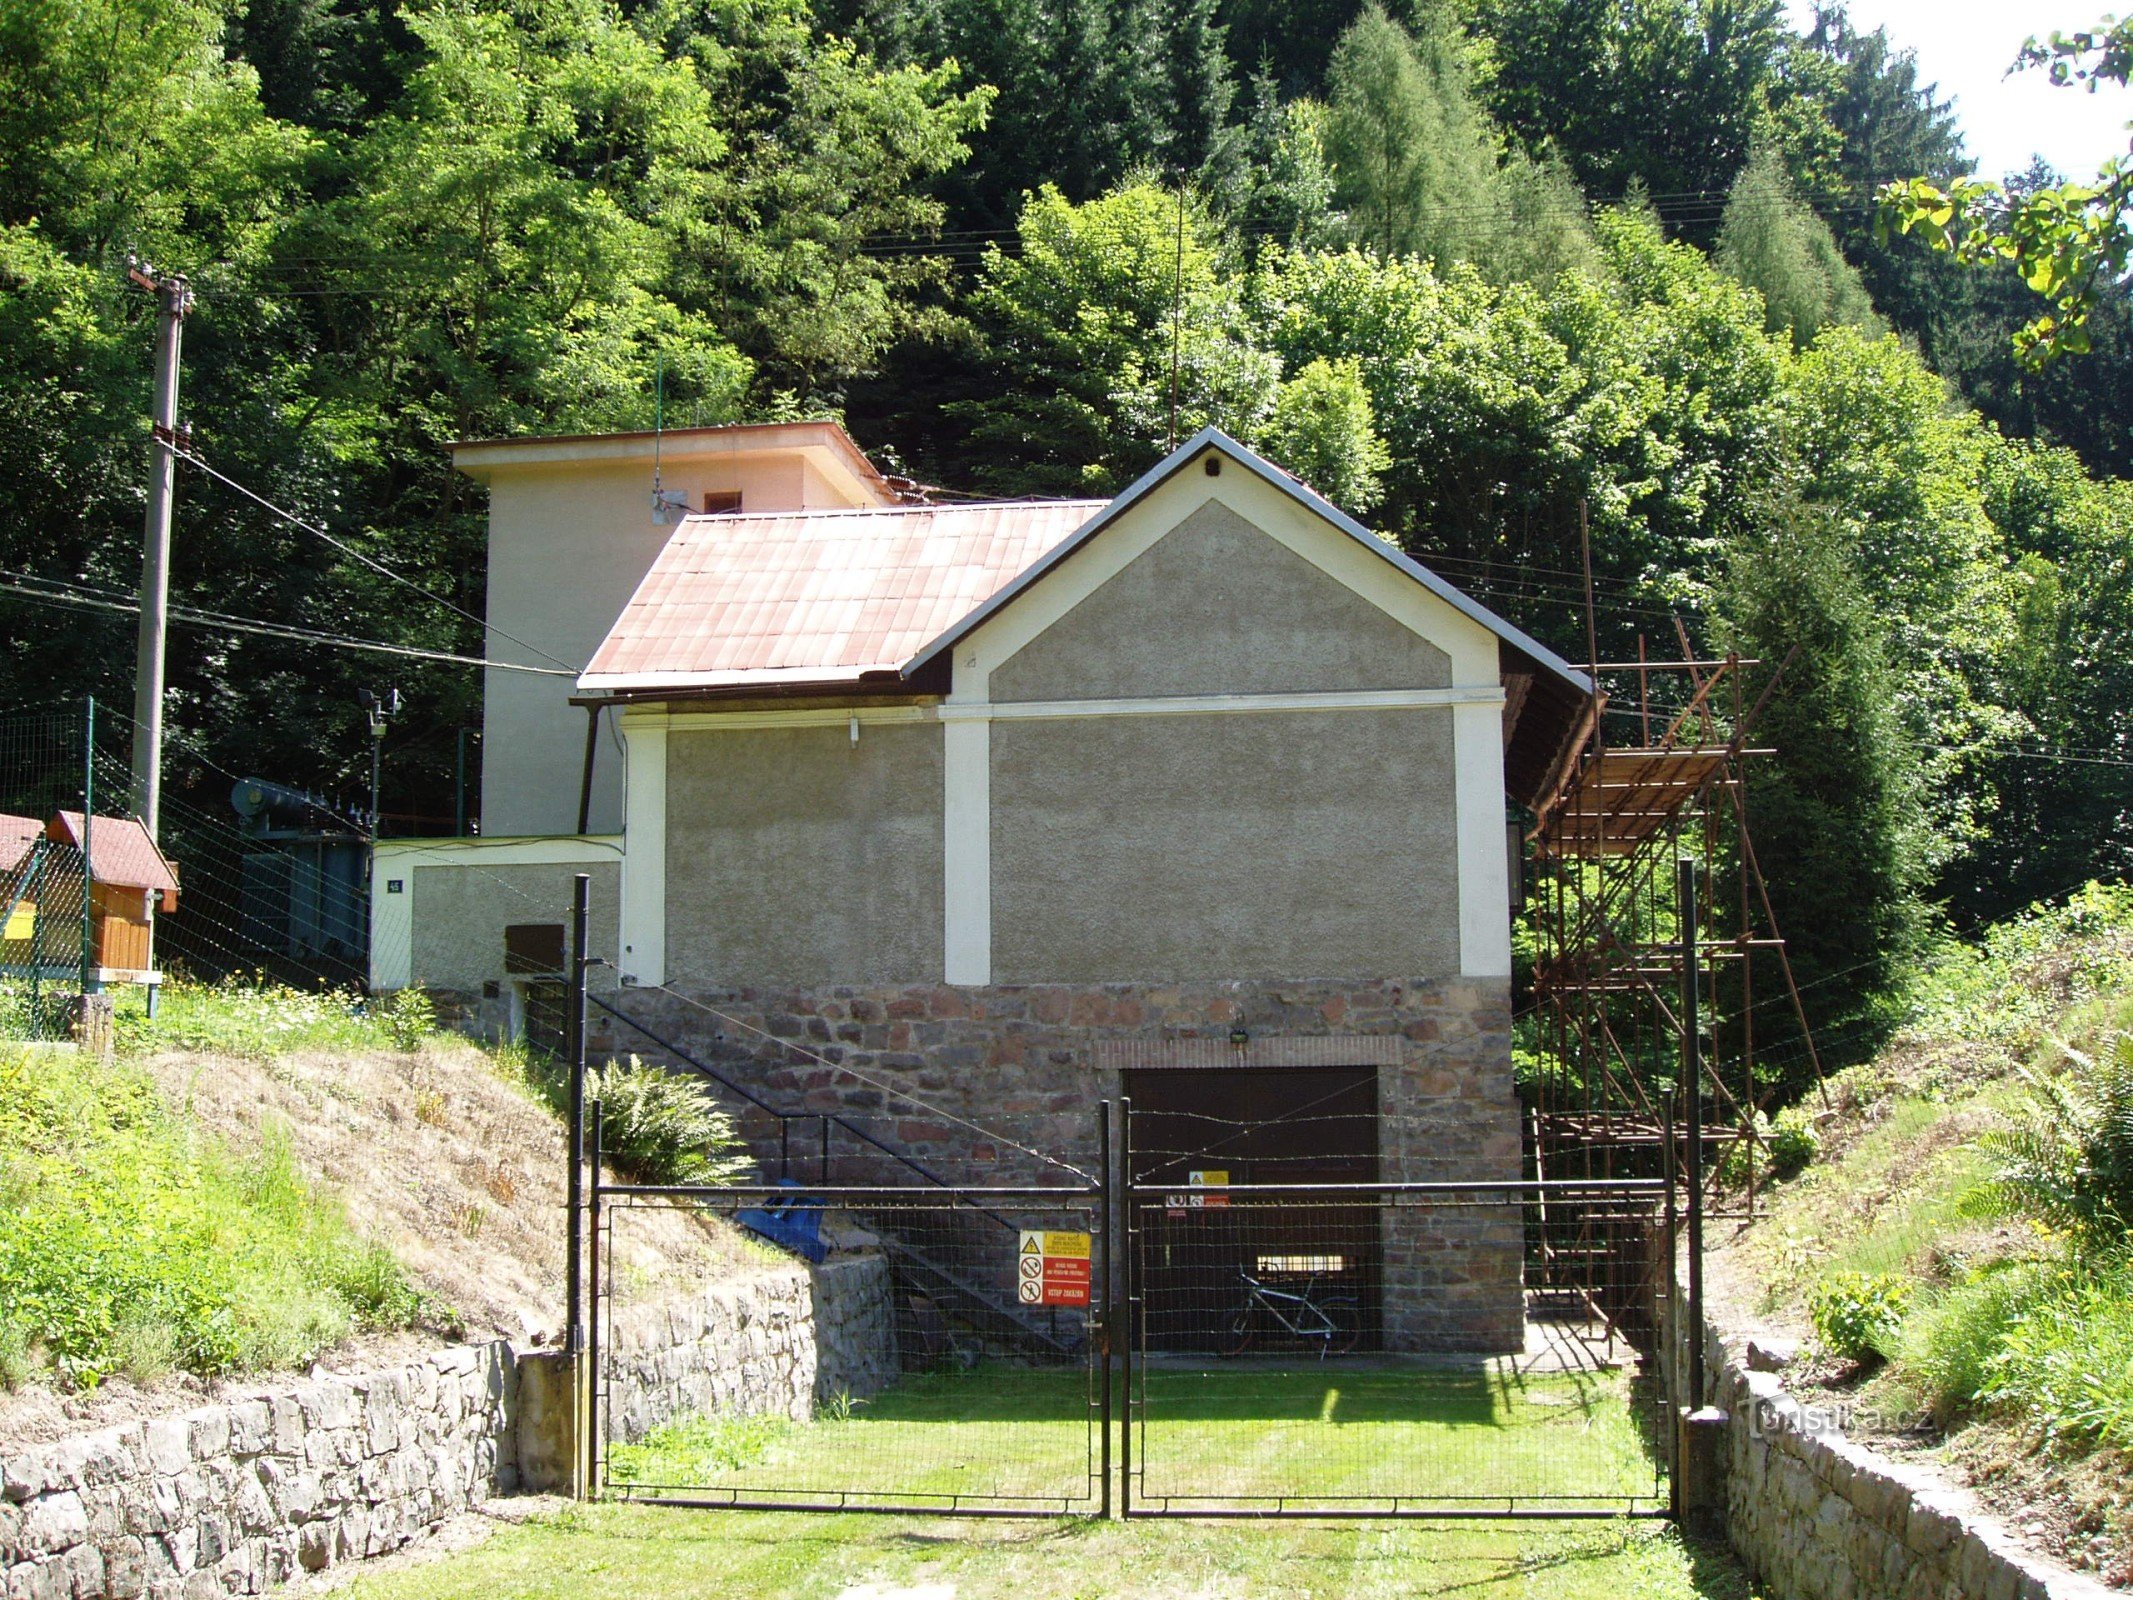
[(2070, 241)]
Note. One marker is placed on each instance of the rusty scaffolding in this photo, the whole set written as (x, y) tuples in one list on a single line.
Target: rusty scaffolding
[(1604, 1034)]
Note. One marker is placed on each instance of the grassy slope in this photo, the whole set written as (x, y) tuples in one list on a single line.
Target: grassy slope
[(264, 1173), (130, 1243), (1898, 1190)]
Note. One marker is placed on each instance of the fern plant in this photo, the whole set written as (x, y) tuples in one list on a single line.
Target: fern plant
[(2067, 1158), (659, 1127)]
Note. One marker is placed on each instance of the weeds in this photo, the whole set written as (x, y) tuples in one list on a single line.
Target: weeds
[(20, 1358), (688, 1450), (2067, 1155), (130, 1243), (1857, 1315), (656, 1126), (409, 1017), (254, 1017)]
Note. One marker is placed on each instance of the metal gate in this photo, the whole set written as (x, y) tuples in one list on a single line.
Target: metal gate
[(960, 1363), (1301, 1355), (1389, 1349)]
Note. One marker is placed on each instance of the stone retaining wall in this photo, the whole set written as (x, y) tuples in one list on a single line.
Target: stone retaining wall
[(1819, 1517), (777, 1347), (235, 1497)]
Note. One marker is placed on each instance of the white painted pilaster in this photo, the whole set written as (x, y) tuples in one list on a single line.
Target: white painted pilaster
[(644, 851), (1484, 874), (392, 921), (966, 810)]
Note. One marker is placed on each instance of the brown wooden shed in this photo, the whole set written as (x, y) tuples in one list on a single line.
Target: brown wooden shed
[(131, 879)]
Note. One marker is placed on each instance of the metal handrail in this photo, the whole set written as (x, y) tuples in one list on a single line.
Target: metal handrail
[(785, 1118)]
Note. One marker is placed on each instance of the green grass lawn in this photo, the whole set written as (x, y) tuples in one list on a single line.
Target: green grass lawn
[(1349, 1427), (1373, 1432), (621, 1552)]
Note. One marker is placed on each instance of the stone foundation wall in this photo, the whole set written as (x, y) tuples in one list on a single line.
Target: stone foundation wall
[(235, 1497), (1817, 1516), (773, 1347), (1015, 1069)]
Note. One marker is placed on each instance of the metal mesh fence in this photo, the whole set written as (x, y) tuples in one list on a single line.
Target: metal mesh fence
[(957, 1364), (1376, 1351), (48, 935)]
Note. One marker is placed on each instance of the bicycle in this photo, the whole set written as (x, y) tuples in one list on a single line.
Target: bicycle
[(1335, 1321)]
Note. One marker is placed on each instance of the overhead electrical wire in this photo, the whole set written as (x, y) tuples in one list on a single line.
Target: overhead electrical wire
[(186, 455), (51, 592)]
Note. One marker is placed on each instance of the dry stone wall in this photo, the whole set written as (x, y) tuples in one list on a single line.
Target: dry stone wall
[(1820, 1517), (778, 1346), (235, 1497)]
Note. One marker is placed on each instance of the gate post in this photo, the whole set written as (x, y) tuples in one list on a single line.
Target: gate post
[(589, 1357), (574, 1135), (1129, 1287), (1101, 1332)]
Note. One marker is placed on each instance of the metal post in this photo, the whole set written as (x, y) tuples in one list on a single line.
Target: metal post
[(89, 984), (39, 876), (1670, 1150), (592, 1412), (459, 789), (1101, 1333), (1692, 1108), (1129, 1324), (574, 1042), (585, 774), (173, 299)]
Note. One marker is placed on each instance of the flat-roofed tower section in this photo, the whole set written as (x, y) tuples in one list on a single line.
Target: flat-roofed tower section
[(572, 533)]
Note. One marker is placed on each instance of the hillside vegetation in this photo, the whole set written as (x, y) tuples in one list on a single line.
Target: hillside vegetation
[(1489, 272), (267, 1178), (1956, 1247)]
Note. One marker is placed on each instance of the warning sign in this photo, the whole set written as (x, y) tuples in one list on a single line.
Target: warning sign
[(1204, 1195), (1052, 1269)]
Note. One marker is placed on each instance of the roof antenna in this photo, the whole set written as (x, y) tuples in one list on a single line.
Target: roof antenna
[(669, 506)]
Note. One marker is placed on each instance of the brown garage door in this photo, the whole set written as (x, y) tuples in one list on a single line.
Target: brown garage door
[(1252, 1125)]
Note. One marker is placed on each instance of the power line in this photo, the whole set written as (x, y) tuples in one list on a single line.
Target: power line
[(50, 592), (185, 454)]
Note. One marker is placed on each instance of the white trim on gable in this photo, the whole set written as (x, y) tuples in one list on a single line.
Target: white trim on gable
[(1475, 694), (1166, 472), (1188, 705), (1284, 519)]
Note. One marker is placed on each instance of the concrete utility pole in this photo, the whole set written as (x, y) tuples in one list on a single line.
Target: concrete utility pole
[(174, 298)]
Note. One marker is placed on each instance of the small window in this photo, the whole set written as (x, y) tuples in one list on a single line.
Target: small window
[(721, 502), (533, 947)]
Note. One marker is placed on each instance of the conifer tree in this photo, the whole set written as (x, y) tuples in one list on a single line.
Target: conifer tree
[(1413, 160), (1836, 812), (1773, 243)]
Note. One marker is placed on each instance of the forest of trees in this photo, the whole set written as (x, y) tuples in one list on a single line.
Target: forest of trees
[(1468, 266)]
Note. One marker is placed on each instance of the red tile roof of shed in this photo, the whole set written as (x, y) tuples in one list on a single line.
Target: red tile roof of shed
[(17, 834), (120, 852), (819, 596)]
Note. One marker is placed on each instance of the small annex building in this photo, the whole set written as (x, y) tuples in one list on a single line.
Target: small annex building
[(1203, 794)]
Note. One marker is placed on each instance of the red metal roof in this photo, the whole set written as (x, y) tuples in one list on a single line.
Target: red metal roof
[(120, 852), (818, 596), (17, 834)]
